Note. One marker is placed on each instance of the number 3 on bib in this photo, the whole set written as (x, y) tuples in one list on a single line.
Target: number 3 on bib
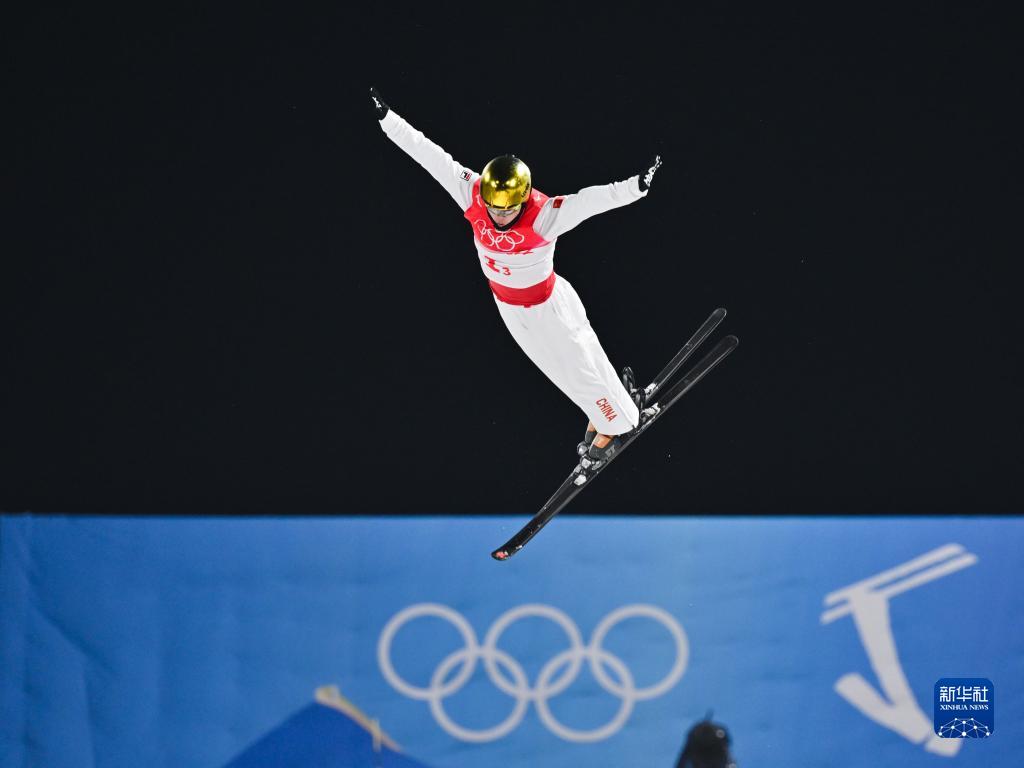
[(501, 270)]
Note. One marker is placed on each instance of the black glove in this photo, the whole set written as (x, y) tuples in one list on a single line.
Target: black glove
[(647, 175), (378, 104)]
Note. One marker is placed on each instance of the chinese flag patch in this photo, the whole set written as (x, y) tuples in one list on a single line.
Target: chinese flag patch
[(558, 202)]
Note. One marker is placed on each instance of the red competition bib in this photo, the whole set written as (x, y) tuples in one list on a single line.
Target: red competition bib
[(519, 238)]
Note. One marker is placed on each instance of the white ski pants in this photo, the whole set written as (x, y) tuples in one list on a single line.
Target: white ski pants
[(557, 337)]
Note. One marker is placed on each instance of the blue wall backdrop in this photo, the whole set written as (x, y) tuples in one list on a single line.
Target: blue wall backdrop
[(190, 642)]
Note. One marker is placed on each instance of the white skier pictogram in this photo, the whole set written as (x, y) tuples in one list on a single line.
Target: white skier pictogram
[(868, 602)]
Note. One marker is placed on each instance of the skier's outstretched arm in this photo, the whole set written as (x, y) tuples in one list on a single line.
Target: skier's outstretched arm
[(561, 214), (454, 177)]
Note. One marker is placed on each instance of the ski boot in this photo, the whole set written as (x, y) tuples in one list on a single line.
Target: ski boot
[(638, 395), (588, 440), (596, 457)]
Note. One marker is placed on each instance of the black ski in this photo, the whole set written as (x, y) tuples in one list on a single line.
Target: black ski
[(586, 470), (683, 354)]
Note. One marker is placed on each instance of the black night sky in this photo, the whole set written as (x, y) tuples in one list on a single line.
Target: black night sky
[(225, 291)]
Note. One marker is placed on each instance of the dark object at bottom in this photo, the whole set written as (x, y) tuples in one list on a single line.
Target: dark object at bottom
[(707, 746)]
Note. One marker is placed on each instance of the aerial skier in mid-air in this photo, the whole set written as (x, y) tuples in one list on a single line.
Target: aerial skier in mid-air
[(515, 228)]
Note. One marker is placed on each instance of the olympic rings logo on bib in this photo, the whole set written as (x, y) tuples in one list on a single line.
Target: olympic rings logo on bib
[(509, 677), (502, 241)]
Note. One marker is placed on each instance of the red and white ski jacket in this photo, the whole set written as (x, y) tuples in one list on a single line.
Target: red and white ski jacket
[(518, 261)]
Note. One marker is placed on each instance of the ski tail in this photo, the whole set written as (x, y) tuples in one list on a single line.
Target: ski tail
[(684, 354), (559, 499)]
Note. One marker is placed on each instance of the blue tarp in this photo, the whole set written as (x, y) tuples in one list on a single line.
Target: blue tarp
[(320, 736)]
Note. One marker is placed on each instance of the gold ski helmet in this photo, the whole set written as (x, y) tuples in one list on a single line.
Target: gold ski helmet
[(505, 182)]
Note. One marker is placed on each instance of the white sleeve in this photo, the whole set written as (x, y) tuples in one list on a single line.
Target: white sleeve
[(455, 178), (560, 214)]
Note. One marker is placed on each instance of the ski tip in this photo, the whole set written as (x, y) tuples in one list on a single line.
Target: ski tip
[(721, 312), (733, 340), (501, 554)]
